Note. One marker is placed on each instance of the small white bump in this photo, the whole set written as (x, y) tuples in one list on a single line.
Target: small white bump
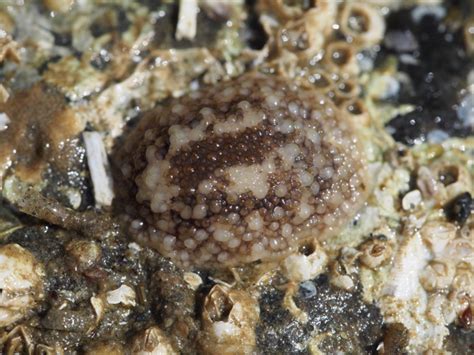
[(278, 212), (184, 255), (315, 188), (222, 235), (201, 235), (293, 108), (272, 101), (281, 190), (286, 230), (223, 257), (190, 243), (327, 172), (199, 211), (247, 237), (137, 224), (169, 241), (257, 248), (233, 243), (306, 178)]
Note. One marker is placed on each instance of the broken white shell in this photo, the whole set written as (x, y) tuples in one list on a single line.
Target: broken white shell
[(21, 283)]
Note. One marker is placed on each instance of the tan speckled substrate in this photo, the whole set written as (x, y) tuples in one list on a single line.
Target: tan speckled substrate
[(242, 171)]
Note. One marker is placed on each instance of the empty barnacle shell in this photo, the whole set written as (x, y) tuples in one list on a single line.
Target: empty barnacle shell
[(341, 56), (459, 250), (455, 178), (306, 35), (362, 23), (317, 79), (347, 89), (464, 278), (359, 111), (437, 235), (21, 283), (229, 318), (241, 171), (437, 275), (306, 264)]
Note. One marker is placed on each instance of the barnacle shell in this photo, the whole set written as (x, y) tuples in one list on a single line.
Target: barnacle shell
[(455, 177), (305, 266), (229, 318), (21, 283), (359, 111), (437, 275), (341, 57), (152, 341), (375, 252), (84, 253), (242, 171), (363, 23), (437, 235)]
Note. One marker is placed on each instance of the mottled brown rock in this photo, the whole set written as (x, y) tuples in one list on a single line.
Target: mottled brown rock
[(241, 171), (41, 126)]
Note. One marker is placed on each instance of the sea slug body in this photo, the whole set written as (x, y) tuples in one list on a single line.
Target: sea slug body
[(241, 171)]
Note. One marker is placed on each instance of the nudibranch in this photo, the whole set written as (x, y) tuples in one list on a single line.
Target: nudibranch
[(241, 171)]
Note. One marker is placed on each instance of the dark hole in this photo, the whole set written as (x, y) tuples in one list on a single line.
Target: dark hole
[(254, 33), (307, 249), (358, 21), (340, 56), (355, 108), (222, 310), (449, 175), (319, 80)]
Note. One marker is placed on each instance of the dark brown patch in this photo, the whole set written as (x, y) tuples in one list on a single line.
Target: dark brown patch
[(201, 159)]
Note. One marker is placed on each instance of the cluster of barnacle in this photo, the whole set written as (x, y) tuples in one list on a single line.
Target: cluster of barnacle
[(319, 46), (448, 277), (436, 246)]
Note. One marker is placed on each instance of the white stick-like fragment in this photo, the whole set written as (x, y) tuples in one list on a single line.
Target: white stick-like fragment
[(187, 19), (4, 121), (99, 168)]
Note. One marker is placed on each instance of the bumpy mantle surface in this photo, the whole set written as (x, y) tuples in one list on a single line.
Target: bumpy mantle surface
[(241, 171)]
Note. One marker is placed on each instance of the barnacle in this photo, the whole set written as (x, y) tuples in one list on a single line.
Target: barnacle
[(305, 265), (152, 341), (375, 252), (363, 23), (341, 56), (228, 320), (242, 171), (21, 283), (437, 275)]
